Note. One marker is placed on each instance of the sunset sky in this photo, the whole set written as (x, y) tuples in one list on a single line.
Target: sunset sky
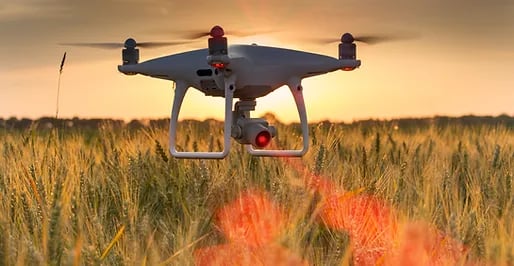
[(461, 61)]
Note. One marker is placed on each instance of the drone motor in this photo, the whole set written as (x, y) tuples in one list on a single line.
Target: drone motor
[(347, 49), (218, 49), (130, 54)]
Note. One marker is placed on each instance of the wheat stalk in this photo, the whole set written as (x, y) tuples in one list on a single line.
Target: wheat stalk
[(59, 86)]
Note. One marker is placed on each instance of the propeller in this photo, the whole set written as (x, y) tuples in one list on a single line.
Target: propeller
[(129, 43), (367, 39), (215, 31)]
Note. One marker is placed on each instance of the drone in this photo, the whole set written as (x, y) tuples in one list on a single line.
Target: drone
[(244, 72)]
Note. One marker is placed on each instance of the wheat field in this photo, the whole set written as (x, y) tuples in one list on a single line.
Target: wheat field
[(114, 196)]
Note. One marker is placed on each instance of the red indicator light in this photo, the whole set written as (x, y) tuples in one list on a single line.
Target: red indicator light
[(262, 139), (219, 65), (348, 68)]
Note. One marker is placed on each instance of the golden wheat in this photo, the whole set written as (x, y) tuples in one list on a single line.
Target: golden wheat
[(117, 197)]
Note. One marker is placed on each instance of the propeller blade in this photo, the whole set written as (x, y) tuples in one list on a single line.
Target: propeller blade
[(375, 39), (159, 44), (370, 39), (117, 45), (196, 34), (101, 45), (193, 34), (324, 40)]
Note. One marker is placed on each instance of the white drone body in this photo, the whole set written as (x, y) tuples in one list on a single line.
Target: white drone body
[(246, 72)]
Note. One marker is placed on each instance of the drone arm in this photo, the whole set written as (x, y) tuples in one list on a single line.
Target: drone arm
[(296, 89), (180, 92)]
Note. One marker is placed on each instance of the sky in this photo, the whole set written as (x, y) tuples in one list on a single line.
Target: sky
[(460, 62)]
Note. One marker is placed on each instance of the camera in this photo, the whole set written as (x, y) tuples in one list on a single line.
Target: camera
[(254, 131)]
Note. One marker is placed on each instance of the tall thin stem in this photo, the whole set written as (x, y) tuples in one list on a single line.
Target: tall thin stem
[(59, 86)]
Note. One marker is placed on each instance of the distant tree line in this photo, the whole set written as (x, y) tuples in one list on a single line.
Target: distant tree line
[(442, 121), (46, 123)]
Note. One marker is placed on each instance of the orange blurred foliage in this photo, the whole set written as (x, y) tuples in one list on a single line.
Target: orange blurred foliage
[(371, 224), (321, 185), (237, 254), (250, 223), (377, 238), (251, 219), (420, 243)]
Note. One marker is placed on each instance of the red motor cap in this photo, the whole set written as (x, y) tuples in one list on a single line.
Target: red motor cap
[(217, 31)]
